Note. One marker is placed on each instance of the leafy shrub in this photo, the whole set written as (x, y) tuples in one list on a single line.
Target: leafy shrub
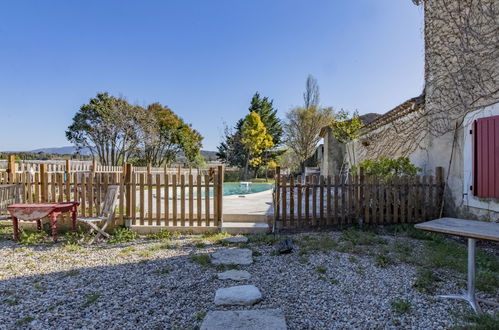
[(163, 234), (387, 167), (122, 235)]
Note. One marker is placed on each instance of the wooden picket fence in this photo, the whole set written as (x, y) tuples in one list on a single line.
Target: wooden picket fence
[(145, 199), (318, 201)]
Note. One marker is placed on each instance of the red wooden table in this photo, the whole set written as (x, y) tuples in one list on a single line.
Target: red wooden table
[(35, 212)]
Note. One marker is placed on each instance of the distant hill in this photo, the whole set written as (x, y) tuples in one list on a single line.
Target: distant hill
[(69, 150)]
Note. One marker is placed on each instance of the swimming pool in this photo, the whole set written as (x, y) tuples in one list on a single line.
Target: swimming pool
[(235, 188)]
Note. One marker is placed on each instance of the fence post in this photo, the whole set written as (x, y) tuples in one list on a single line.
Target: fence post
[(11, 169), (439, 176), (149, 168), (220, 184), (94, 165), (128, 196), (44, 183), (362, 204), (277, 198)]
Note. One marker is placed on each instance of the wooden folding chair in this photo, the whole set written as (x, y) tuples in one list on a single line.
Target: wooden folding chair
[(106, 214), (10, 194)]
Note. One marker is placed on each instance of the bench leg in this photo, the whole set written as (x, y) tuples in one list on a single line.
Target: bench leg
[(15, 224), (469, 295), (53, 221)]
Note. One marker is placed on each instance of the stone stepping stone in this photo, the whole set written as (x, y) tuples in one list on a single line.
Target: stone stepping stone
[(244, 295), (235, 239), (236, 275), (260, 319), (232, 257)]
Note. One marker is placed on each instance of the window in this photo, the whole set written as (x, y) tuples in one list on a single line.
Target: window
[(486, 157)]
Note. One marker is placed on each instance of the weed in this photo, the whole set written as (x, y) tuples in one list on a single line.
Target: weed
[(319, 244), (482, 321), (425, 281), (382, 260), (321, 269), (214, 237), (360, 271), (201, 259), (160, 235), (222, 268), (352, 259), (322, 278), (90, 299), (12, 302), (162, 271), (361, 237), (200, 245), (70, 247), (145, 254), (487, 280), (334, 281), (400, 306), (122, 235), (200, 316), (262, 239), (29, 237), (73, 238), (126, 251), (303, 260), (72, 272), (24, 320)]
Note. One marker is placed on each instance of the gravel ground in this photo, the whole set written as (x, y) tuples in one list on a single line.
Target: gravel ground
[(145, 285)]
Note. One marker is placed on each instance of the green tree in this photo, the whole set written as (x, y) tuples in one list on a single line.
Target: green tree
[(256, 140), (107, 127), (346, 127)]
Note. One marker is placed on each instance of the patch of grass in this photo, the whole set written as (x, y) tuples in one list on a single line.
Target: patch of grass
[(200, 245), (201, 259), (214, 237), (321, 269), (425, 281), (361, 237), (126, 251), (402, 250), (352, 259), (303, 260), (145, 254), (12, 302), (400, 306), (200, 316), (223, 268), (482, 321), (452, 255), (24, 320), (122, 235), (70, 247), (360, 271), (322, 243), (160, 235), (31, 237), (382, 260), (72, 272), (162, 271), (255, 253), (90, 299), (262, 239), (73, 238), (487, 280)]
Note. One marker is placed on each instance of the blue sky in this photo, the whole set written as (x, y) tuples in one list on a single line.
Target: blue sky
[(203, 58)]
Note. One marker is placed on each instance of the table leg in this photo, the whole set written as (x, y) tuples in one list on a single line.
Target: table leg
[(15, 224), (469, 295), (73, 217), (39, 225), (53, 220)]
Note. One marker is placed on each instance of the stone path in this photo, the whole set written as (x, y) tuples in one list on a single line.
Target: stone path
[(260, 319), (240, 295)]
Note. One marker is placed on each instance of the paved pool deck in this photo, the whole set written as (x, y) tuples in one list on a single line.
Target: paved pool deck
[(255, 204)]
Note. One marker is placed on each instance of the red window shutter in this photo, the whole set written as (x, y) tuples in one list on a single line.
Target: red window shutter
[(486, 157)]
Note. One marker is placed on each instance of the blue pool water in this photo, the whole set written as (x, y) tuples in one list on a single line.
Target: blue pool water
[(235, 188)]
